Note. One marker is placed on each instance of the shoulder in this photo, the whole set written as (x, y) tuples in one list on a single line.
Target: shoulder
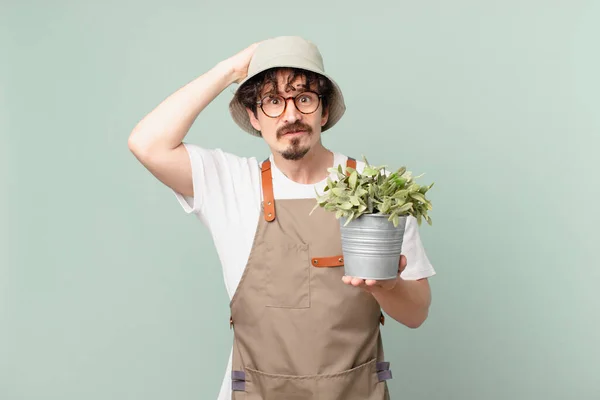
[(219, 178), (218, 160)]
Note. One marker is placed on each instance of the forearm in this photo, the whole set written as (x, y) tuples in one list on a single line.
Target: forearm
[(408, 302), (166, 126)]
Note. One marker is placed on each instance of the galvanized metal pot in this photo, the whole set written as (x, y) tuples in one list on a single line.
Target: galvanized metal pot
[(371, 246)]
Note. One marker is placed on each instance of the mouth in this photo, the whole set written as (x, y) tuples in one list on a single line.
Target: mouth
[(294, 133)]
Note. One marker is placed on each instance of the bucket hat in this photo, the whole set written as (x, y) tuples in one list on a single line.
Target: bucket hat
[(293, 52)]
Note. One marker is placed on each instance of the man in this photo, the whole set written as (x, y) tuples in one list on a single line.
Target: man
[(301, 331)]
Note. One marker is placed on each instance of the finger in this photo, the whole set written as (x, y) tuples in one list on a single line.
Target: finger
[(357, 282), (370, 282), (347, 279), (402, 264)]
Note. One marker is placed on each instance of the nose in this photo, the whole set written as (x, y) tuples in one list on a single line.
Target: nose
[(291, 113)]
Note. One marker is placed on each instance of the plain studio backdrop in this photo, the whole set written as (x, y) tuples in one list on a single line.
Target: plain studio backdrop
[(108, 290)]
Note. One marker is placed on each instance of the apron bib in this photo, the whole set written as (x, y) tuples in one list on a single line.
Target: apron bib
[(299, 331)]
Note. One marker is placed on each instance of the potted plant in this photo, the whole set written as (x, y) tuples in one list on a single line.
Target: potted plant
[(372, 208)]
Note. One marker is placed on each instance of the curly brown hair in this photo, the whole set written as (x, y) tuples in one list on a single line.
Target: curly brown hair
[(248, 94)]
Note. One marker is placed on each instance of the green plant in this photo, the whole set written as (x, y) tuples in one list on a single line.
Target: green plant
[(373, 191)]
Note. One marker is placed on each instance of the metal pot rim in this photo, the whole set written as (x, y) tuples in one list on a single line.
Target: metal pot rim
[(379, 215)]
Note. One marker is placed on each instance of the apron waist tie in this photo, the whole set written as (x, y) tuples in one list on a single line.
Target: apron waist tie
[(238, 381), (383, 371)]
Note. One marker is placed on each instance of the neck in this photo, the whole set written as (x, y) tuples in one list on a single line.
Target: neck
[(312, 168)]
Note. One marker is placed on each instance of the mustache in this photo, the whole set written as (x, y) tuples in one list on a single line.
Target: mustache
[(296, 126)]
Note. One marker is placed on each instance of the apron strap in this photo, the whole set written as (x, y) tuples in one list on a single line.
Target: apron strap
[(351, 163), (267, 187)]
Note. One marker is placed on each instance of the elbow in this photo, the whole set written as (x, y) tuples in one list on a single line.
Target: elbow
[(133, 142), (414, 324), (417, 320), (136, 145)]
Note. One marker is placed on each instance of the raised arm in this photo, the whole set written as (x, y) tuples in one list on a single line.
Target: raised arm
[(156, 141)]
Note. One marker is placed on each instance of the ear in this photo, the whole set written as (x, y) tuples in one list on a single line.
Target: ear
[(325, 116), (253, 120)]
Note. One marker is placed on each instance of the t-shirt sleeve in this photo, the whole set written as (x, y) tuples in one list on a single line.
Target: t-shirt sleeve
[(218, 178), (198, 156), (418, 265)]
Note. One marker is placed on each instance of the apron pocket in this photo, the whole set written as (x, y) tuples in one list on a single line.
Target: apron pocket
[(360, 383), (287, 276)]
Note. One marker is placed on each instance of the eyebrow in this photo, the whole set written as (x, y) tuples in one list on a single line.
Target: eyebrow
[(272, 91)]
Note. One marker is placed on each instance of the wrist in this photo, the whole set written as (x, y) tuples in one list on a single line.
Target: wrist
[(225, 72), (228, 72)]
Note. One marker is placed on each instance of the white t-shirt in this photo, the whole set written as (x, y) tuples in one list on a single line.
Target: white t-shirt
[(227, 200)]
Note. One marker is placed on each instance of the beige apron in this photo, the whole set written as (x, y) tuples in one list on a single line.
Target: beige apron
[(299, 331)]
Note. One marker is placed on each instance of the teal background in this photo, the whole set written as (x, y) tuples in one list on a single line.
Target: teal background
[(110, 291)]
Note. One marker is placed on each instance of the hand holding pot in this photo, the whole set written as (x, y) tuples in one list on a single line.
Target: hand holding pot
[(371, 285)]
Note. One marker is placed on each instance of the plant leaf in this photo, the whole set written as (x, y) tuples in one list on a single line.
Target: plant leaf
[(369, 171), (338, 191), (314, 208), (404, 208), (353, 180), (413, 187), (401, 194), (376, 189), (346, 206), (418, 196), (360, 192)]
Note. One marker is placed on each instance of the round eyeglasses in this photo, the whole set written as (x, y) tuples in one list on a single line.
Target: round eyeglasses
[(305, 102)]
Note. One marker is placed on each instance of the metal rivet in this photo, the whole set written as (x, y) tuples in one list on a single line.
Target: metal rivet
[(315, 261), (270, 214), (269, 203), (340, 259)]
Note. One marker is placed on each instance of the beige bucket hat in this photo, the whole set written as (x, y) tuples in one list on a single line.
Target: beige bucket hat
[(287, 51)]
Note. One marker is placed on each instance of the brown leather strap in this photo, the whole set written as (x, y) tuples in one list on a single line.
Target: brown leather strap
[(324, 262), (351, 163), (267, 189)]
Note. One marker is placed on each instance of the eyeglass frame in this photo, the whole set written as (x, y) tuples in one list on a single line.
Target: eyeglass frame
[(285, 103)]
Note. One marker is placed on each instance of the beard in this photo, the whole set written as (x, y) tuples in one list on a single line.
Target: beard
[(295, 151)]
